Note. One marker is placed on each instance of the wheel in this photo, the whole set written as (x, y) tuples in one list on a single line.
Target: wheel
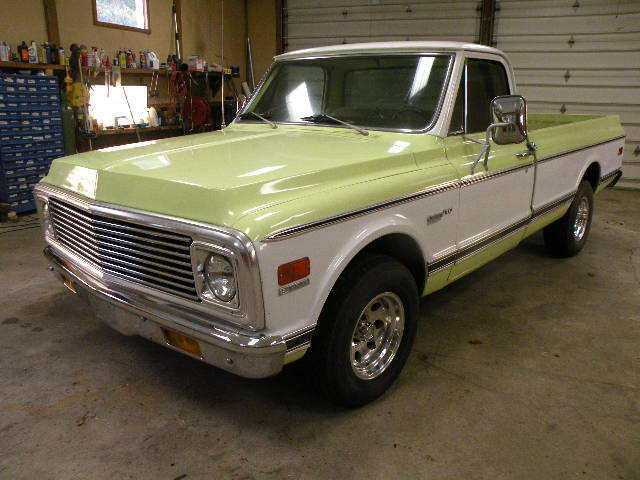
[(566, 236), (365, 331)]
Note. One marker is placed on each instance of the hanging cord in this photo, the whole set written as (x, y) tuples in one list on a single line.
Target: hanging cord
[(222, 123), (135, 125)]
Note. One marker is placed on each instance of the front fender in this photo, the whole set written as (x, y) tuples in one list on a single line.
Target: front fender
[(330, 250)]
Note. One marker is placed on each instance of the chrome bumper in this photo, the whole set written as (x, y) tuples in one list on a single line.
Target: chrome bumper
[(247, 354)]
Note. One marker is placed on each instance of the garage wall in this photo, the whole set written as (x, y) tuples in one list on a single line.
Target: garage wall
[(577, 57), (262, 29), (24, 20), (313, 23)]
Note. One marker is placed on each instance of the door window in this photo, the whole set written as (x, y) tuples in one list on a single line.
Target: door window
[(486, 79)]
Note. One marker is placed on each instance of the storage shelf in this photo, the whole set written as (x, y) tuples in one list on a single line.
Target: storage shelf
[(41, 66), (91, 70), (131, 130)]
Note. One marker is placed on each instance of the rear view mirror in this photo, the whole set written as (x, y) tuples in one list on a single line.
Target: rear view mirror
[(512, 111)]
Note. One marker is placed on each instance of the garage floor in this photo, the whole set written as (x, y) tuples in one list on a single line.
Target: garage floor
[(528, 368)]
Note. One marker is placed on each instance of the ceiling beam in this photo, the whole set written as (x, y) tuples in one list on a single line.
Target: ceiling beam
[(51, 19), (487, 22)]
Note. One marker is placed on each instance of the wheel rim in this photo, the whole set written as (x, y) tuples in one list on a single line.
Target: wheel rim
[(377, 335), (582, 219)]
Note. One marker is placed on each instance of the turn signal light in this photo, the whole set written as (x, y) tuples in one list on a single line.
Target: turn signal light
[(292, 271)]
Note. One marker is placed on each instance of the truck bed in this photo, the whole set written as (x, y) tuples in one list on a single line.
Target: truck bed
[(556, 134), (538, 121)]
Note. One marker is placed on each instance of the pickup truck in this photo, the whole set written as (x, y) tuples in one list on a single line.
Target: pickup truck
[(356, 179)]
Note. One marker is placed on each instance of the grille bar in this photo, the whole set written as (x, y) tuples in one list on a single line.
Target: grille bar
[(141, 254)]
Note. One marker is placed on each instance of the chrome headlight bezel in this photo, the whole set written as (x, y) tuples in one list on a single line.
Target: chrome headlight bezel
[(42, 206), (200, 253)]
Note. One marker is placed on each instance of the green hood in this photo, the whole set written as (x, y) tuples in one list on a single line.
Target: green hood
[(220, 177)]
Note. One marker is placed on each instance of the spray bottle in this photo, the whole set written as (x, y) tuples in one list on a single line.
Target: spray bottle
[(33, 52)]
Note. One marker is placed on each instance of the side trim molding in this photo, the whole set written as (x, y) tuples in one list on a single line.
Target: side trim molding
[(567, 152), (473, 248), (609, 176), (433, 190)]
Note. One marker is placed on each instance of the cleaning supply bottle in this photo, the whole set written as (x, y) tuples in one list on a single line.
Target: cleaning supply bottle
[(46, 52), (54, 54), (33, 52), (24, 52)]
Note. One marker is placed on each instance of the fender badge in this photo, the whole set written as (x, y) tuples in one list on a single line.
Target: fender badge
[(293, 286), (438, 216)]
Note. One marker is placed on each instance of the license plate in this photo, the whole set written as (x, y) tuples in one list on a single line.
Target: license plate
[(182, 342)]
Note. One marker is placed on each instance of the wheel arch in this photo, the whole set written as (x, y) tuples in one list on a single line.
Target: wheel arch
[(399, 243), (592, 175)]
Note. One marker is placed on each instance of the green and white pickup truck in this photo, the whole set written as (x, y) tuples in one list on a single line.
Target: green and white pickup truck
[(357, 179)]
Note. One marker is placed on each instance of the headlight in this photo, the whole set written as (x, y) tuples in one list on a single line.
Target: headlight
[(219, 277), (43, 209)]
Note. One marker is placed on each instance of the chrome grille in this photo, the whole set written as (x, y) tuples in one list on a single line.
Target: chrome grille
[(144, 255)]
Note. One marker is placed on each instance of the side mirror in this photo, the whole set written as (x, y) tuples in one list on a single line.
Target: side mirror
[(509, 126), (510, 110)]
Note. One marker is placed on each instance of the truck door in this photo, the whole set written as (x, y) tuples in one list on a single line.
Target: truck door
[(495, 202)]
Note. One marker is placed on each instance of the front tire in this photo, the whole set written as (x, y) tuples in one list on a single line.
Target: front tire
[(567, 236), (365, 331)]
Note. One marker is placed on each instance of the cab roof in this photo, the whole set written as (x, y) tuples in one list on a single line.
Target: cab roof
[(389, 47)]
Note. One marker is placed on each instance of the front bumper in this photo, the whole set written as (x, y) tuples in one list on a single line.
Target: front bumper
[(247, 354)]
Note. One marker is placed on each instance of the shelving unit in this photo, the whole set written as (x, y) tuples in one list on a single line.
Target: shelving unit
[(31, 135), (90, 70)]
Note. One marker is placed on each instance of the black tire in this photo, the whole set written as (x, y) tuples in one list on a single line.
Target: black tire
[(330, 354), (560, 237)]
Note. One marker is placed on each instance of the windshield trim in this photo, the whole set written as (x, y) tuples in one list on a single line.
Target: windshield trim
[(426, 129)]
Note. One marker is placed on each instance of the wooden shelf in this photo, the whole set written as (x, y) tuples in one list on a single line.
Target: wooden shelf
[(25, 66), (132, 131)]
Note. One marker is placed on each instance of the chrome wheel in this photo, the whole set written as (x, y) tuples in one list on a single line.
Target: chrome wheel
[(582, 219), (377, 335)]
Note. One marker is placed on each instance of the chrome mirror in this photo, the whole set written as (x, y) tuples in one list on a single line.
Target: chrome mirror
[(512, 111), (509, 126)]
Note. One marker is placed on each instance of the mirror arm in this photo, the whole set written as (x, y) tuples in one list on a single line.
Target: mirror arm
[(486, 145)]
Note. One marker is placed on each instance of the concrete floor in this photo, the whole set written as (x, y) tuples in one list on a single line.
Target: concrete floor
[(528, 368)]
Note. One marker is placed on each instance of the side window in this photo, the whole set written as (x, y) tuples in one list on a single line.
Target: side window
[(486, 79), (457, 117)]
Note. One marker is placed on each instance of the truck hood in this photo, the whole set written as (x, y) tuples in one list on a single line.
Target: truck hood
[(219, 177)]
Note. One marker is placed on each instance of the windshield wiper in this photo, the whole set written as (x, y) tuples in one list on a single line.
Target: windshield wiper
[(256, 114), (323, 117)]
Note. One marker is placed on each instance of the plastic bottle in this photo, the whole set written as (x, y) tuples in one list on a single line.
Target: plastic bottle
[(23, 50), (33, 52), (4, 51), (46, 52), (54, 54)]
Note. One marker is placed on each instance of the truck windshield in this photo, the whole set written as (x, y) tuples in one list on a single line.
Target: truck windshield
[(385, 92)]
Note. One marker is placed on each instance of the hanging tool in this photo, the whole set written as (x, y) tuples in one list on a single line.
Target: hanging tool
[(250, 63), (153, 90), (176, 29), (135, 125)]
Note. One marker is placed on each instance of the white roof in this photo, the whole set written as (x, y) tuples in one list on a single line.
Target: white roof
[(386, 47)]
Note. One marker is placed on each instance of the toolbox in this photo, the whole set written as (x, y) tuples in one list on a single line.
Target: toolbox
[(30, 135)]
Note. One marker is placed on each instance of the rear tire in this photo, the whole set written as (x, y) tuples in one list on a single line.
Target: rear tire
[(365, 331), (567, 236)]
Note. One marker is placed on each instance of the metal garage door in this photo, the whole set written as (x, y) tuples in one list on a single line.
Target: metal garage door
[(573, 56), (577, 56), (314, 23)]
